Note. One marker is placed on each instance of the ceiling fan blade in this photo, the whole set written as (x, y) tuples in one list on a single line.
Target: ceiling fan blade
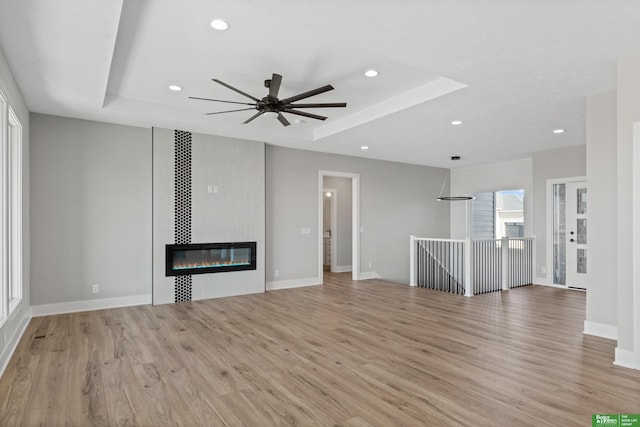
[(229, 111), (255, 116), (220, 100), (305, 114), (283, 120), (235, 90), (313, 92), (274, 86), (322, 105)]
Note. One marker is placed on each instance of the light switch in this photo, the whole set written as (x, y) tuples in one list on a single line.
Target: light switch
[(305, 230)]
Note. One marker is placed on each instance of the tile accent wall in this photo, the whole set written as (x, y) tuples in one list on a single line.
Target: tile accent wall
[(182, 206)]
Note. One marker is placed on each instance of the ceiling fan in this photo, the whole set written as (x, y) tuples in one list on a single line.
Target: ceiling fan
[(270, 104)]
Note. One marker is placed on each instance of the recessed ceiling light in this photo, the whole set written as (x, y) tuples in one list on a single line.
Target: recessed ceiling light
[(456, 122), (558, 131), (371, 73), (219, 24), (364, 147), (175, 88)]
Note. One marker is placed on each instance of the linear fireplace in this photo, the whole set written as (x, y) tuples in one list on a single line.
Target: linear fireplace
[(200, 258)]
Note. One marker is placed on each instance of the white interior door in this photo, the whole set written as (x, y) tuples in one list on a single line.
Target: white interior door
[(576, 238)]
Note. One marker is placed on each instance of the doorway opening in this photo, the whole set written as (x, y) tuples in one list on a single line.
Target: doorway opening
[(330, 231), (339, 223)]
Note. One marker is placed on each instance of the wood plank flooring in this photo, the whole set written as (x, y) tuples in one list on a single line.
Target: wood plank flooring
[(367, 353)]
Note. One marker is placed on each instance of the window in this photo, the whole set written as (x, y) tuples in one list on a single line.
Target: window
[(14, 201), (559, 234), (499, 214), (11, 209)]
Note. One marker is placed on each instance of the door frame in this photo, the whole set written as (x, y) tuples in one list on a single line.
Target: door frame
[(355, 221), (549, 245)]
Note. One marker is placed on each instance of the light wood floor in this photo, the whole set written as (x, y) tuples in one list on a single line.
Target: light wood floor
[(345, 353)]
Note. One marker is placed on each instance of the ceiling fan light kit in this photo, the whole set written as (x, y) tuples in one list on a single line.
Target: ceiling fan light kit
[(273, 106)]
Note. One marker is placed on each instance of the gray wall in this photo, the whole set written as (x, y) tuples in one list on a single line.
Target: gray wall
[(234, 214), (551, 164), (601, 175), (344, 219), (396, 200), (628, 112), (91, 217), (326, 215)]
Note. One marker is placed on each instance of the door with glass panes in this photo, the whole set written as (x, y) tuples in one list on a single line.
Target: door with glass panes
[(576, 234)]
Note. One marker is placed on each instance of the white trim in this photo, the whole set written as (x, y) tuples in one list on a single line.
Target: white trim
[(341, 268), (626, 359), (601, 330), (442, 240), (89, 305), (544, 281), (295, 283), (4, 210), (12, 343), (549, 214), (14, 212), (552, 285), (355, 222), (365, 275)]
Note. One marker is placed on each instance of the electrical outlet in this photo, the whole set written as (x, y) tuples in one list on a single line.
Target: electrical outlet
[(209, 189), (370, 264), (543, 270), (95, 288), (277, 273)]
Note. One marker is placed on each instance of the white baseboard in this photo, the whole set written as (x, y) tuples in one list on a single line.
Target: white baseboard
[(552, 285), (601, 330), (364, 275), (295, 283), (88, 305), (342, 269), (627, 359), (12, 342), (542, 281)]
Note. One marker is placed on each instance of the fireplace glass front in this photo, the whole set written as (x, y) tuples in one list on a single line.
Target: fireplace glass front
[(203, 258)]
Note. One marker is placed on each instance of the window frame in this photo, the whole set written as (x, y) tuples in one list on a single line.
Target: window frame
[(11, 259), (14, 200)]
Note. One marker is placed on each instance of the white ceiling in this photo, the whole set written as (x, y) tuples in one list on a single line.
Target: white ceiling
[(512, 70)]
